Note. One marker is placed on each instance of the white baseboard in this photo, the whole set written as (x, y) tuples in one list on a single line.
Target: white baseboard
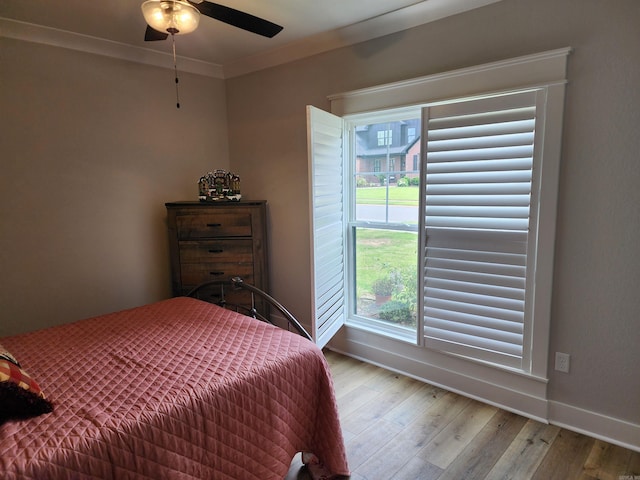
[(596, 425)]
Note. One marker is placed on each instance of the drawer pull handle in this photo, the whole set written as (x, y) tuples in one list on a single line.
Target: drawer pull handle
[(214, 224), (216, 250), (216, 274)]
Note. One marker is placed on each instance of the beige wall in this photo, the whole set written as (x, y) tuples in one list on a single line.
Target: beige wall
[(90, 149), (596, 311)]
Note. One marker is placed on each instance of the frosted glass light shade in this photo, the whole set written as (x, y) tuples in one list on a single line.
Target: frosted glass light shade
[(173, 16)]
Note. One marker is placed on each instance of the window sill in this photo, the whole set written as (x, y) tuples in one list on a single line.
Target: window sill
[(383, 329)]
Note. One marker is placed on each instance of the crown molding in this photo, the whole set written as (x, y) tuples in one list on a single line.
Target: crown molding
[(30, 32), (402, 19)]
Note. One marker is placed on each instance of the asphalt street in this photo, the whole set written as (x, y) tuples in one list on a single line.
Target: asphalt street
[(378, 213)]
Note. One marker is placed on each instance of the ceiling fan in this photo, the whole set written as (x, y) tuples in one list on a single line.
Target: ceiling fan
[(179, 17), (176, 17)]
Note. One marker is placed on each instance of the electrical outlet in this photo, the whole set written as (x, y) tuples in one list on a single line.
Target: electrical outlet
[(562, 362)]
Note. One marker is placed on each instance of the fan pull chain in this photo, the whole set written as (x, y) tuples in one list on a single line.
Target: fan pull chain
[(175, 69)]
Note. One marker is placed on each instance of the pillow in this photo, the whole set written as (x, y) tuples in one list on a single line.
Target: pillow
[(20, 395)]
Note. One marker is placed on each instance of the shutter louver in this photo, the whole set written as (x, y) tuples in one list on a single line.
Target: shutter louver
[(327, 227), (478, 191)]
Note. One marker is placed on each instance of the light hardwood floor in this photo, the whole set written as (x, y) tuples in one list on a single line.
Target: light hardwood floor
[(402, 429)]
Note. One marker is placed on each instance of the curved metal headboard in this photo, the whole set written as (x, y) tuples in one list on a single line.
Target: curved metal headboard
[(237, 283)]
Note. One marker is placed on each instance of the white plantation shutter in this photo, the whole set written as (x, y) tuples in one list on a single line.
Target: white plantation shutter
[(324, 132), (479, 174)]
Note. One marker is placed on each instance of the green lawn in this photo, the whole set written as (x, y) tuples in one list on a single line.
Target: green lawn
[(379, 252), (392, 256), (387, 254), (397, 195)]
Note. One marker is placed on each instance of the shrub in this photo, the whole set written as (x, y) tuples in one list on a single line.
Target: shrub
[(396, 312), (383, 286), (407, 293), (403, 182)]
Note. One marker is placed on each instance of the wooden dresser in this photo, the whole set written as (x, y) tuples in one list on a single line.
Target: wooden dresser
[(218, 241)]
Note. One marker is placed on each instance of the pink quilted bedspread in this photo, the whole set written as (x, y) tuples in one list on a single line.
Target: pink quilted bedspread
[(175, 389)]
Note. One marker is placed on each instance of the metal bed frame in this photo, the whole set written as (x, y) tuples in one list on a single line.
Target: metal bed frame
[(238, 284)]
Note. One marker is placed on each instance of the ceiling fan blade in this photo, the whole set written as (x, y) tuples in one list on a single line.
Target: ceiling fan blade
[(151, 35), (238, 19)]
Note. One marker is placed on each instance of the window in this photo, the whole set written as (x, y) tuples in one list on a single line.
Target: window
[(385, 137), (411, 134), (486, 210), (383, 227)]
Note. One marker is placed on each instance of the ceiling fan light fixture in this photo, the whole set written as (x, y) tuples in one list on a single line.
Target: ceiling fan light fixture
[(173, 16)]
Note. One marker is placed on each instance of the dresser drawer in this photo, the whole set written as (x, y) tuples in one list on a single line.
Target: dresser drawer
[(192, 274), (208, 251), (213, 225)]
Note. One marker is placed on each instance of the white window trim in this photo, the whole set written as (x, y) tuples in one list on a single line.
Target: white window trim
[(519, 73), (513, 390)]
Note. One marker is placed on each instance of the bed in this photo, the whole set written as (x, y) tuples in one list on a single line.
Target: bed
[(181, 388)]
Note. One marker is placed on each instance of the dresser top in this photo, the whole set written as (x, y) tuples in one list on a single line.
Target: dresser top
[(197, 203)]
